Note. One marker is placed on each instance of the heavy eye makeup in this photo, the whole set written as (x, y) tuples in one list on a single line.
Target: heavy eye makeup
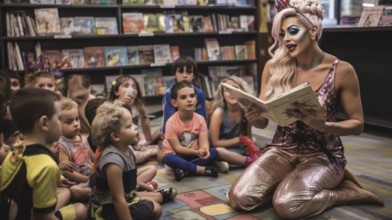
[(292, 30)]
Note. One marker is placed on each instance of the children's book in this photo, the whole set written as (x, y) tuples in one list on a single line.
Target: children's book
[(386, 17), (133, 2), (174, 53), (146, 54), (51, 58), (196, 23), (46, 2), (94, 57), (133, 55), (103, 2), (281, 108), (47, 21), (74, 58), (153, 81), (116, 56), (67, 25), (370, 16), (162, 53), (83, 25), (240, 52), (106, 25), (213, 49), (80, 2), (133, 22)]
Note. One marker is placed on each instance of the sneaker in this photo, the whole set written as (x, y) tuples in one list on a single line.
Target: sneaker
[(211, 171), (179, 174), (223, 167), (168, 194)]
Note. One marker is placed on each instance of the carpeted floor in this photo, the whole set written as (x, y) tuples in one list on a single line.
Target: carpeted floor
[(369, 158)]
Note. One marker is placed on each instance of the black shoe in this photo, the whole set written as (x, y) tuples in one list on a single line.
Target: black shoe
[(168, 194), (179, 174), (211, 171)]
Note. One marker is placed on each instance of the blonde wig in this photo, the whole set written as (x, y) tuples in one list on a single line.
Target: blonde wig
[(282, 66)]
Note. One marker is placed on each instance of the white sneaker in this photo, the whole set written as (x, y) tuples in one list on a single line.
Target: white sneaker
[(223, 167)]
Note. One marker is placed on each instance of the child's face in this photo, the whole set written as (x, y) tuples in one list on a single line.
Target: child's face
[(47, 83), (128, 130), (15, 84), (70, 122), (186, 99), (54, 125), (184, 75), (127, 91), (229, 98), (4, 148)]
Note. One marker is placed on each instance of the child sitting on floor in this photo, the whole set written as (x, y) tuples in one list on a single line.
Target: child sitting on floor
[(186, 148)]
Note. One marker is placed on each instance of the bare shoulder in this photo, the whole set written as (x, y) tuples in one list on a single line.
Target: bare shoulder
[(218, 113), (345, 70)]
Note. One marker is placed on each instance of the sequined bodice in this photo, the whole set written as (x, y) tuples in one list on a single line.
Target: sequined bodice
[(298, 138)]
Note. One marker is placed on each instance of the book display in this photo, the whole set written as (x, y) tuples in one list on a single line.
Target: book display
[(105, 37)]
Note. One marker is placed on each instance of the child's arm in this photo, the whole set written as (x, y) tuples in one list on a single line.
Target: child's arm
[(73, 176), (175, 144), (215, 124), (116, 188), (204, 146)]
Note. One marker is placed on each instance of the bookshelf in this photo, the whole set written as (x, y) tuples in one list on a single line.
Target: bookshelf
[(186, 41), (368, 50)]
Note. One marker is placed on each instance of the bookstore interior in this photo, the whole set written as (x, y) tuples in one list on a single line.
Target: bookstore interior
[(107, 38)]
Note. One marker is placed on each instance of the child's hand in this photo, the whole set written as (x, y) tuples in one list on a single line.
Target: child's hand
[(64, 182), (67, 166), (204, 153)]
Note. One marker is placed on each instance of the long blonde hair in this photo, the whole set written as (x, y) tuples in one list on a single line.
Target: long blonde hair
[(219, 100), (282, 66)]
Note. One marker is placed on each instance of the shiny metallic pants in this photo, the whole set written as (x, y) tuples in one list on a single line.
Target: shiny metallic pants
[(298, 186)]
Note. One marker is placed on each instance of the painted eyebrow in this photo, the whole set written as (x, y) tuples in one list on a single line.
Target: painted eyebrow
[(293, 26)]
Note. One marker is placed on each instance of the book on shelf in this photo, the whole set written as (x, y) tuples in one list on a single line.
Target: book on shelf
[(133, 2), (94, 57), (133, 55), (174, 53), (154, 22), (187, 2), (80, 2), (153, 81), (83, 25), (47, 21), (196, 23), (74, 58), (16, 1), (51, 58), (116, 56), (282, 108), (250, 49), (228, 53), (150, 2), (386, 17), (213, 49), (162, 53), (42, 2), (133, 22), (240, 52), (103, 2), (105, 25), (146, 54), (370, 16), (67, 25), (63, 2)]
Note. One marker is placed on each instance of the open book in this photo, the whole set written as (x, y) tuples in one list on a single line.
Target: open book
[(282, 108)]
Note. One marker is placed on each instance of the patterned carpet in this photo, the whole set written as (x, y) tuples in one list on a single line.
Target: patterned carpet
[(369, 158)]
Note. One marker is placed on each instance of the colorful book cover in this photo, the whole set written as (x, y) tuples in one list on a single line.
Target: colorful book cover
[(146, 54), (196, 23), (51, 58), (386, 17), (153, 81), (133, 22), (116, 56), (370, 16), (133, 55), (83, 25), (213, 49), (63, 2), (47, 20), (74, 58), (228, 53), (94, 57), (240, 52), (162, 53), (80, 2), (133, 2), (174, 53), (44, 2), (106, 23), (67, 25), (154, 23), (102, 2)]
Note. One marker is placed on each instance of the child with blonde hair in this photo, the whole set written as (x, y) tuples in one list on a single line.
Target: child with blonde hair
[(41, 79), (228, 126), (114, 195)]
